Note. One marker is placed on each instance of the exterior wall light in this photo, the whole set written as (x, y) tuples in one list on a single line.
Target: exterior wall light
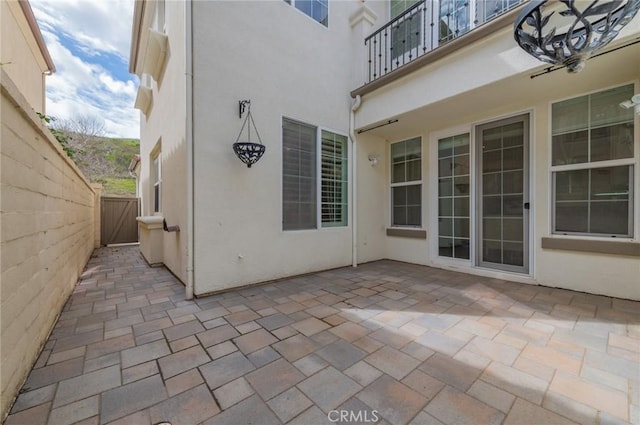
[(633, 103), (248, 152), (568, 32), (373, 159)]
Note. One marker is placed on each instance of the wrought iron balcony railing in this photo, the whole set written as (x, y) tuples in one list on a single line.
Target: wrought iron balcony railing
[(425, 26)]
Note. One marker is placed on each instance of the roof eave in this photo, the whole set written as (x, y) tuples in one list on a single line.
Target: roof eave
[(35, 30), (138, 15)]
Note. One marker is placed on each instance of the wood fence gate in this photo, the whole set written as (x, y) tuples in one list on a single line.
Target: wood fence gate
[(118, 220)]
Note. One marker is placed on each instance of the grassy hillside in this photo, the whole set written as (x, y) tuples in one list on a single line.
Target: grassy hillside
[(106, 160), (118, 186)]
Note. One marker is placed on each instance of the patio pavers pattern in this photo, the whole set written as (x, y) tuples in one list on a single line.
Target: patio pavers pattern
[(389, 342)]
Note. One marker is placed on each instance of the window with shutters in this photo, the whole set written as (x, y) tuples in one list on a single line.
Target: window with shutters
[(314, 177), (333, 168)]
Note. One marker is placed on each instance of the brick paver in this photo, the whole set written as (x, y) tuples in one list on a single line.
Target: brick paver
[(393, 342)]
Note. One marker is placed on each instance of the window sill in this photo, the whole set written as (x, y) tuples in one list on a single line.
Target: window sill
[(407, 233), (596, 246)]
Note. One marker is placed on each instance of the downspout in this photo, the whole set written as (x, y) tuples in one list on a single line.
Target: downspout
[(190, 151), (354, 180)]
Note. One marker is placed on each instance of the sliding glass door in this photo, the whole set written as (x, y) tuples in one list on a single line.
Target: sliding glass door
[(503, 194)]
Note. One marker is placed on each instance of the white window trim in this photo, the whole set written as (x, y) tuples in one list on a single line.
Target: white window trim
[(318, 227), (634, 191), (472, 186), (292, 4), (156, 154), (433, 195), (160, 16), (411, 183), (470, 265)]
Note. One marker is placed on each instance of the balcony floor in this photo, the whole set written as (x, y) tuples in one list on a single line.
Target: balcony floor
[(387, 341)]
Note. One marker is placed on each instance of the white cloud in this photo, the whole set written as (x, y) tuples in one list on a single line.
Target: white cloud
[(101, 25), (89, 43), (118, 86)]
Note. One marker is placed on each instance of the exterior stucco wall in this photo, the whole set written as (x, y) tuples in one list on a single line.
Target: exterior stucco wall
[(20, 56), (165, 126), (614, 275), (47, 223), (289, 66), (372, 196), (489, 61), (441, 100)]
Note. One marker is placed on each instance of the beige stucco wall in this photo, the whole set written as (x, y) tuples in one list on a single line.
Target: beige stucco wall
[(491, 60), (484, 82), (290, 66), (164, 126), (371, 200), (47, 225), (20, 56)]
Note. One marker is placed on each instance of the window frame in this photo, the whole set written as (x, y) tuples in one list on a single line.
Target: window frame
[(314, 175), (419, 183), (156, 179), (318, 177), (470, 196), (345, 181), (293, 4), (160, 15), (589, 165)]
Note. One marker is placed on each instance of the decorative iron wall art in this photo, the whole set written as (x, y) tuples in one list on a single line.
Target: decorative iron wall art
[(248, 152), (568, 32)]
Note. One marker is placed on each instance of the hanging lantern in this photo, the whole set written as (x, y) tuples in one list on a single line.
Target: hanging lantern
[(568, 32), (248, 152)]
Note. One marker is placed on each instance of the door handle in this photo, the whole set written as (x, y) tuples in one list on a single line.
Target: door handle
[(527, 206)]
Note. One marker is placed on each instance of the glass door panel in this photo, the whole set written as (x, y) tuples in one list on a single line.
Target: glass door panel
[(453, 197), (454, 19), (503, 194)]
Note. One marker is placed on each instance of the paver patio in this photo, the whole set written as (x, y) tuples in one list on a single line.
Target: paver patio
[(387, 342)]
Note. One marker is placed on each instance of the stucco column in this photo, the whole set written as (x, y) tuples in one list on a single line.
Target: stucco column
[(151, 238), (361, 22), (97, 214)]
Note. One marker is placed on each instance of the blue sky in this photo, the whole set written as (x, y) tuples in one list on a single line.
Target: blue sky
[(89, 42)]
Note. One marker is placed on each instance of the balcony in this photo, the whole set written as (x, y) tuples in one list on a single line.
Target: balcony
[(425, 27)]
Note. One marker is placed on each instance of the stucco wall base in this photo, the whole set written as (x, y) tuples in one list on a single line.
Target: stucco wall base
[(47, 220)]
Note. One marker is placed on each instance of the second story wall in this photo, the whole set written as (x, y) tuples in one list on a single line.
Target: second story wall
[(23, 55), (289, 66), (469, 64), (163, 124)]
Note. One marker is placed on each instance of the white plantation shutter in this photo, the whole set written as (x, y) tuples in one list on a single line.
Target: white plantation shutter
[(334, 169), (298, 175)]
